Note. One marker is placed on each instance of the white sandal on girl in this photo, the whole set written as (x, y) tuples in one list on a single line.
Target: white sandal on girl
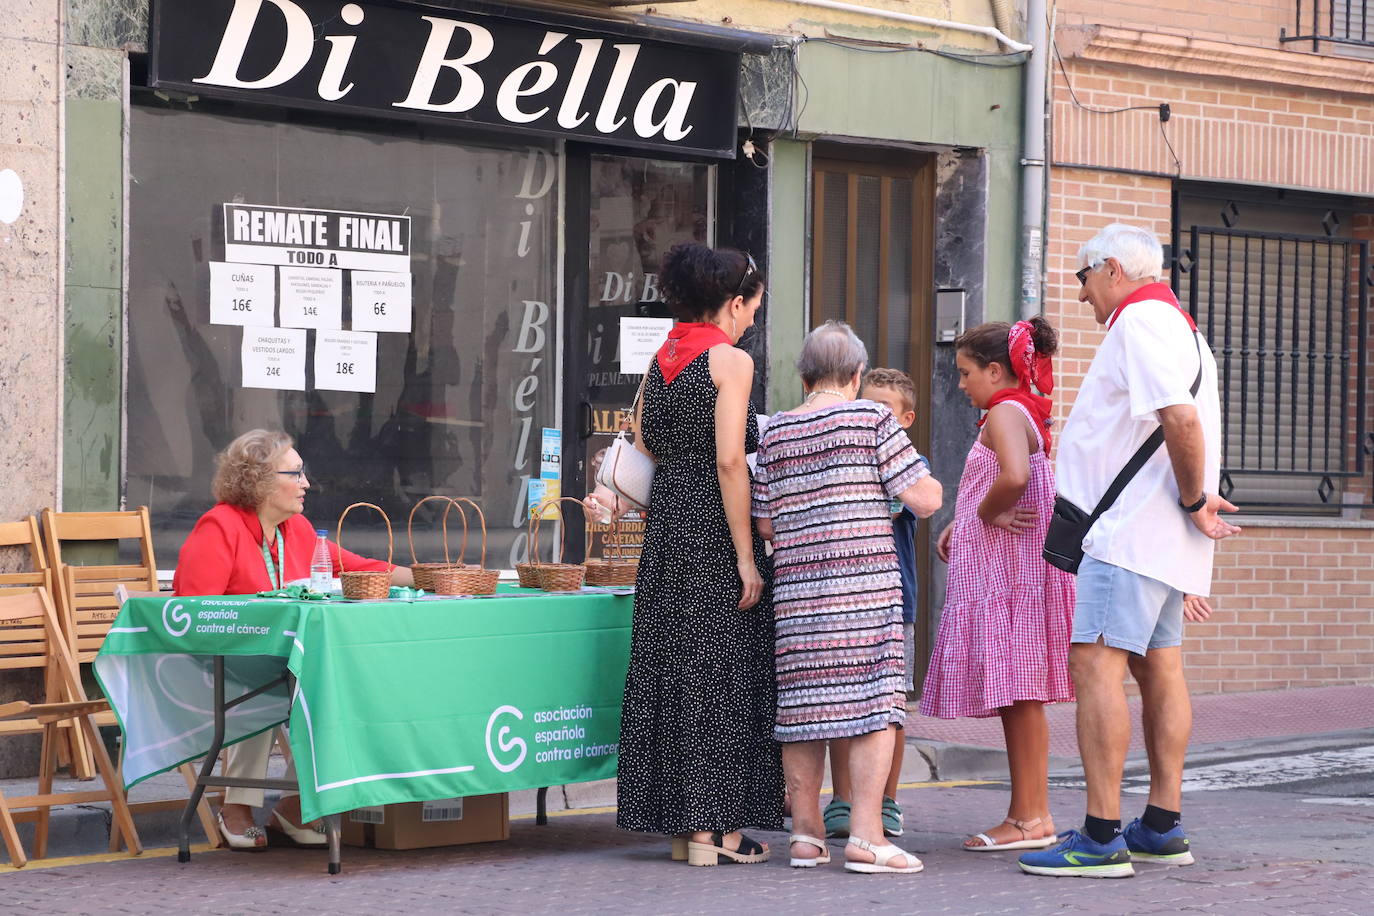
[(988, 844), (881, 856), (798, 862)]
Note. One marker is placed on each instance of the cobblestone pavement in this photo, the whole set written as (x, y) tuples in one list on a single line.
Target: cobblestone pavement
[(1268, 850)]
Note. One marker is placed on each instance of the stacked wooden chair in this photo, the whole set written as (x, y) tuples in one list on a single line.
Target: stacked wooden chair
[(31, 635)]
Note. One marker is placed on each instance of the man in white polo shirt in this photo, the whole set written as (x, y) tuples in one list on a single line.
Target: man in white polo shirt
[(1147, 558)]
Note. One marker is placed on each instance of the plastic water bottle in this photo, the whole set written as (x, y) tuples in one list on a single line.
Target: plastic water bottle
[(321, 564)]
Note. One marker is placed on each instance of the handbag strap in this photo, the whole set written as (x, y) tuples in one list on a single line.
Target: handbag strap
[(1142, 454), (628, 423)]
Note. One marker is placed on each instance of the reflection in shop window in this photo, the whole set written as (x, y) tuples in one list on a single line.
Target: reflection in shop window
[(460, 399)]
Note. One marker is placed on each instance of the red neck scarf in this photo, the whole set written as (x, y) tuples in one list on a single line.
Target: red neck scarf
[(1028, 366), (1156, 291), (686, 341)]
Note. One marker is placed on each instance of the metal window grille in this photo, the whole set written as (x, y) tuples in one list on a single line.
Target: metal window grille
[(1287, 317), (1346, 22)]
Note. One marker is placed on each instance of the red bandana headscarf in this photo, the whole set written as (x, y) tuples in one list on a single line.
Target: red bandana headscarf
[(686, 341), (1028, 366)]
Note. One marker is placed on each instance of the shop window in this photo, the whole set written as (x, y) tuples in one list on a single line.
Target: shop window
[(1281, 292), (460, 399)]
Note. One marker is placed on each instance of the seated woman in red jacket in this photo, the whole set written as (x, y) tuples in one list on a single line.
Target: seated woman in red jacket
[(255, 539)]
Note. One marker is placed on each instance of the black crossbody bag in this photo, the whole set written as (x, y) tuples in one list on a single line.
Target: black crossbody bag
[(1069, 525)]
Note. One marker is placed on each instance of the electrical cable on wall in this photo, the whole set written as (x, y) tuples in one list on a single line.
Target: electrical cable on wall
[(1162, 108)]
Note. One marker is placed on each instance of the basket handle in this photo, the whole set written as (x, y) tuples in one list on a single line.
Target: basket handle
[(562, 541), (410, 527), (482, 563), (338, 535)]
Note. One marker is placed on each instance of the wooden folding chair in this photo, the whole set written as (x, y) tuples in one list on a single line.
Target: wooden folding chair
[(187, 771), (85, 594), (30, 614), (23, 535)]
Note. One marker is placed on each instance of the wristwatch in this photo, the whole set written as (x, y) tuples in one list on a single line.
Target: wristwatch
[(1202, 501)]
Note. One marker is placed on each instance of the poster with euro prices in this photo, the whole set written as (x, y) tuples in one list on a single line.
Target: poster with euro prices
[(306, 237), (311, 297), (381, 301), (346, 361), (274, 358), (243, 294)]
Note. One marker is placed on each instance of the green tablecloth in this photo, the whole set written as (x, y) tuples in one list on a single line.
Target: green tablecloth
[(395, 701)]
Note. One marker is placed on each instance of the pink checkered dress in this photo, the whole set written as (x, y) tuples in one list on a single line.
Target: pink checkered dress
[(1004, 632)]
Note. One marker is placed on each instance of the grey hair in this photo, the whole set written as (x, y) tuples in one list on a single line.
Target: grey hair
[(1138, 252), (831, 352)]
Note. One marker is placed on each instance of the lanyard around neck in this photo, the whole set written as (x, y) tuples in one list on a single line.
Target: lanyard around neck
[(274, 574)]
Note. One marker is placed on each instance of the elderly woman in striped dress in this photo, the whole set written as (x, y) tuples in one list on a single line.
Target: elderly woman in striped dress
[(826, 471)]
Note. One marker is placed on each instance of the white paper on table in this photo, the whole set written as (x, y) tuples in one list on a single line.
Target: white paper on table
[(346, 361), (311, 297), (381, 301), (274, 358), (243, 294), (640, 339)]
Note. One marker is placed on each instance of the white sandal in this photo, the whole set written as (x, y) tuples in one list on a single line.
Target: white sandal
[(1026, 841), (881, 856), (253, 839), (822, 859), (309, 835)]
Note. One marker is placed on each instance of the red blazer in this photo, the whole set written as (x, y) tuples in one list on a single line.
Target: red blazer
[(223, 554)]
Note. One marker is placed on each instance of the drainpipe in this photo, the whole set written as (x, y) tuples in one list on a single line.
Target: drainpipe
[(1033, 161), (987, 30)]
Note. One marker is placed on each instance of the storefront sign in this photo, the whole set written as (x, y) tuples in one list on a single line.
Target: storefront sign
[(381, 301), (243, 294), (640, 339), (274, 358), (311, 297), (302, 237), (452, 65), (346, 361)]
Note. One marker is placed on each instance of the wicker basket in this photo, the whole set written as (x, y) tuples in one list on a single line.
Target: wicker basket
[(365, 585), (423, 571), (529, 570), (559, 576), (614, 570), (464, 579)]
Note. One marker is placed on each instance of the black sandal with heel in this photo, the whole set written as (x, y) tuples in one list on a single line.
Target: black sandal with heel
[(750, 852)]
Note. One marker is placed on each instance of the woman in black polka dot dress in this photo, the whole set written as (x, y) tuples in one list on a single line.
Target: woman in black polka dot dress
[(697, 755)]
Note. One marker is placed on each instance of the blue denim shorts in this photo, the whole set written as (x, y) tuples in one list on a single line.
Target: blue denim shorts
[(1127, 610)]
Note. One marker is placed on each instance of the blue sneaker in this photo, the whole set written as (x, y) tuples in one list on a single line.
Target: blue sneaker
[(1080, 857), (1166, 848)]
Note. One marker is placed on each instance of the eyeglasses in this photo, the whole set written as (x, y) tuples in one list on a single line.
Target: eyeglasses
[(750, 269), (1082, 274), (299, 474)]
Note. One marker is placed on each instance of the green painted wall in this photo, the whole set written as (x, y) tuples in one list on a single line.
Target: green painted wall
[(900, 98), (94, 273), (787, 272)]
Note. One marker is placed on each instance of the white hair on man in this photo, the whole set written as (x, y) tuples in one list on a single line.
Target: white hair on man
[(1138, 252)]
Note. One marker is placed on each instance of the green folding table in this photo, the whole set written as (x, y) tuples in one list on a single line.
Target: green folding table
[(389, 701)]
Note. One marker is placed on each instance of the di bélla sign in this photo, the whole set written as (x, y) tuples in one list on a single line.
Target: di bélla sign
[(431, 63)]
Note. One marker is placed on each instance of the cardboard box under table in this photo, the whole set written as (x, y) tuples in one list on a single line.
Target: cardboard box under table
[(419, 825)]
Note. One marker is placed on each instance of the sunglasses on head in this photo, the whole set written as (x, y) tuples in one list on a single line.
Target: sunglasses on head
[(750, 269)]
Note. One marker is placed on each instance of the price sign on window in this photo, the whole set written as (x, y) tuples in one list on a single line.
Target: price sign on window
[(274, 358), (311, 297), (243, 294), (381, 301), (346, 361)]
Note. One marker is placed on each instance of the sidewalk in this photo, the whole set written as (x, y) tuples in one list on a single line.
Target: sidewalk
[(1277, 722)]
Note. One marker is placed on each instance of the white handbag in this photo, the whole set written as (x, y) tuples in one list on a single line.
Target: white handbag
[(625, 470)]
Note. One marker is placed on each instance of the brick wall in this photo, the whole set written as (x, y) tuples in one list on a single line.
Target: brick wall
[(1256, 22), (1220, 129)]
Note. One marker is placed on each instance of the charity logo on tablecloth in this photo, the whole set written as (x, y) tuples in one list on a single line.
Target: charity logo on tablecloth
[(178, 614), (505, 745)]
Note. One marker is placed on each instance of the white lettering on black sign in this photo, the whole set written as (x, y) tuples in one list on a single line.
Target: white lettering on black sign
[(477, 68)]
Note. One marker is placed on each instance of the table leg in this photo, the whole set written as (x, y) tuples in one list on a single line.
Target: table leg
[(211, 755), (331, 829), (541, 811)]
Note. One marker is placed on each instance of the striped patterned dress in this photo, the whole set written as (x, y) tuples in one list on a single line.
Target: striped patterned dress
[(824, 479)]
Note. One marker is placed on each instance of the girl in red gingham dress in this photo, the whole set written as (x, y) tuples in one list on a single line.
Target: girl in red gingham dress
[(1003, 644)]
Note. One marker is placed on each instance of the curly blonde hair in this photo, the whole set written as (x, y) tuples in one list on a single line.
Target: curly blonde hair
[(246, 471)]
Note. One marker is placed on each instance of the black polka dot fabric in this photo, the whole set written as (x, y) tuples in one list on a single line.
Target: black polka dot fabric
[(696, 736)]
